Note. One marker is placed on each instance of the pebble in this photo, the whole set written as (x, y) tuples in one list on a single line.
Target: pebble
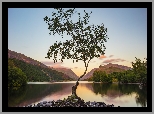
[(70, 102), (44, 102)]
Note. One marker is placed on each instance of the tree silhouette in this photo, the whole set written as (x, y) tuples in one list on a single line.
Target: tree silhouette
[(87, 41)]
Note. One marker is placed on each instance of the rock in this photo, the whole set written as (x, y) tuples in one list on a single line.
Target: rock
[(53, 101), (71, 101), (97, 105), (43, 105), (88, 103), (44, 102), (48, 104), (92, 103)]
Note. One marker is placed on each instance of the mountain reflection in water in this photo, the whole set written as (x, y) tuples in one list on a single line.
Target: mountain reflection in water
[(126, 95)]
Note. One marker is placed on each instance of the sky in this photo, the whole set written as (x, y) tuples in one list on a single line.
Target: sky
[(28, 34)]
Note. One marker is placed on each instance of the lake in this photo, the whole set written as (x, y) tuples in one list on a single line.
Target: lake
[(123, 95)]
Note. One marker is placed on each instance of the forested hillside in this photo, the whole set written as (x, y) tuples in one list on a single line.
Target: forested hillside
[(109, 68), (63, 71), (138, 74), (68, 72), (36, 73), (19, 56)]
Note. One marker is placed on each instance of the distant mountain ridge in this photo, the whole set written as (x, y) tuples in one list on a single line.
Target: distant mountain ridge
[(19, 56), (115, 65), (68, 72), (89, 74), (109, 68)]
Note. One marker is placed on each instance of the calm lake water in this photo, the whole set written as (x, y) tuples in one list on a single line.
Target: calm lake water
[(125, 95)]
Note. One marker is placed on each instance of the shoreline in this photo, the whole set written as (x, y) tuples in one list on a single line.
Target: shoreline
[(71, 101), (75, 82), (116, 83)]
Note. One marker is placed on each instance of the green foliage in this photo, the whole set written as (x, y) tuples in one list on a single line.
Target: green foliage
[(140, 69), (101, 76), (87, 41), (16, 77), (137, 75), (10, 63), (36, 73), (105, 78), (96, 76)]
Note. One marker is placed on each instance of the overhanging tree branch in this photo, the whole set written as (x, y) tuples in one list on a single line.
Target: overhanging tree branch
[(87, 41)]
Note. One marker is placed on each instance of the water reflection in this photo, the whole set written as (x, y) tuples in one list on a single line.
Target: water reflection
[(16, 95), (123, 95), (128, 95), (63, 92), (141, 97)]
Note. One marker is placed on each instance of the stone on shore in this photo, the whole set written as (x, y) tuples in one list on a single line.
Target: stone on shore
[(71, 101)]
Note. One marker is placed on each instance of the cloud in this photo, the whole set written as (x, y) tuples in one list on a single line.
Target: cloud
[(111, 56), (113, 60), (102, 56), (54, 65), (51, 63)]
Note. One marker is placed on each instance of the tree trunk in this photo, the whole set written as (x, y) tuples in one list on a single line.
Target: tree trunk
[(77, 83), (75, 87)]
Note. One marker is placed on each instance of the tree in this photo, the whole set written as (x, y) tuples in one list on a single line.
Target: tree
[(105, 78), (96, 76), (131, 78), (140, 69), (87, 41), (10, 63), (16, 77)]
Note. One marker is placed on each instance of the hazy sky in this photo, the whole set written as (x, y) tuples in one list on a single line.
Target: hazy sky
[(127, 31)]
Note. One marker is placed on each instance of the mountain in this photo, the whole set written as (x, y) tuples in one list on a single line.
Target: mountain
[(89, 74), (37, 73), (19, 56), (109, 68), (68, 72), (61, 73), (115, 65)]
